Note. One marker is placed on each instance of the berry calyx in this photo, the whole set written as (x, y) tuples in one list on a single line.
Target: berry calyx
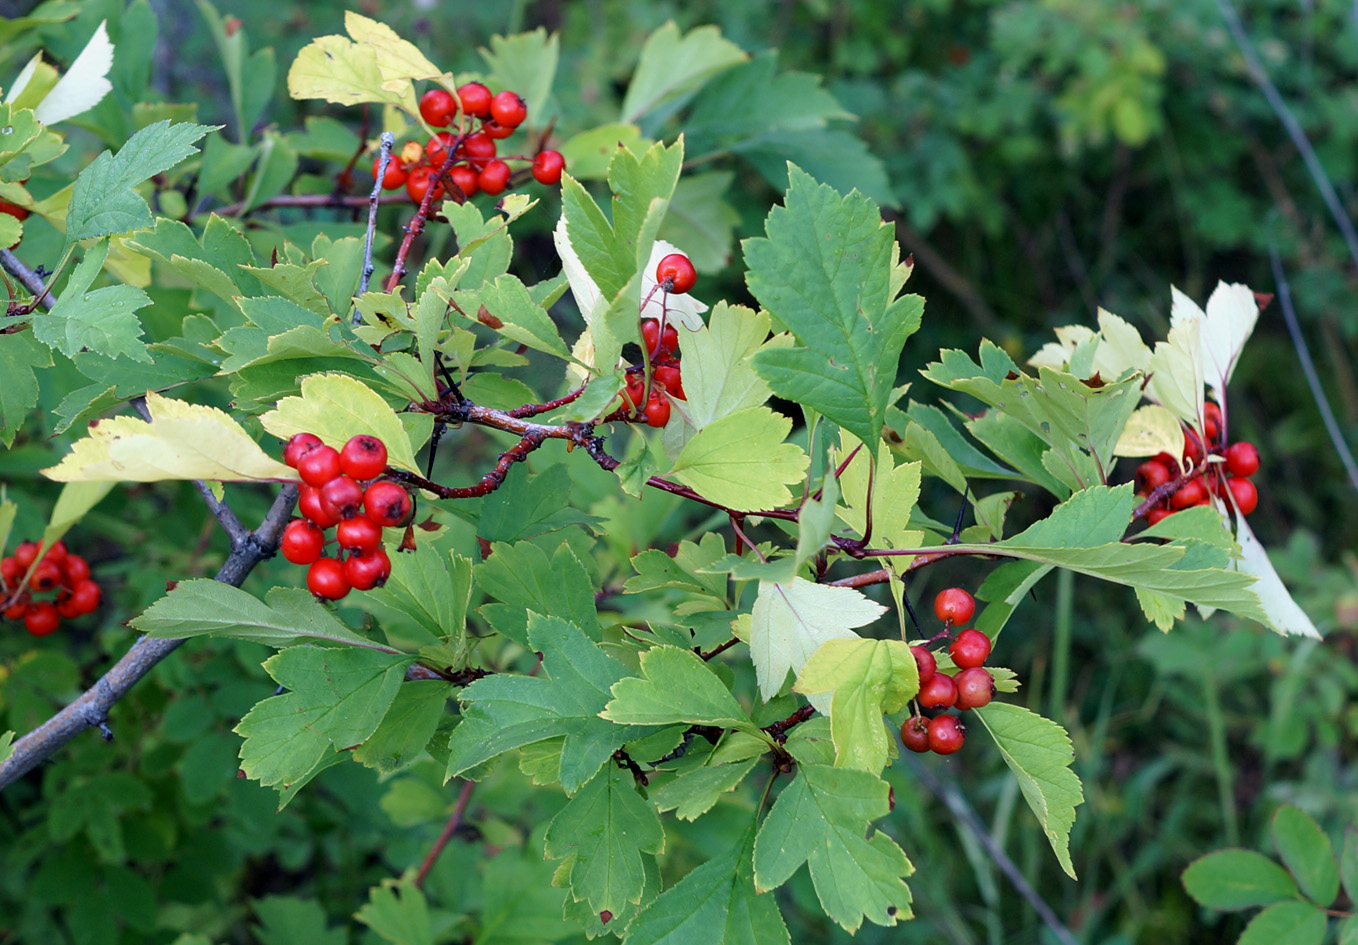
[(548, 167), (676, 274), (16, 610), (970, 649), (302, 542), (387, 504), (939, 692), (368, 570), (915, 734), (975, 688), (494, 177), (437, 107), (298, 445), (342, 497), (954, 606), (946, 734), (364, 457), (1242, 459), (325, 578), (925, 663), (46, 576), (475, 99), (1245, 495), (319, 466), (42, 618), (508, 109), (360, 534)]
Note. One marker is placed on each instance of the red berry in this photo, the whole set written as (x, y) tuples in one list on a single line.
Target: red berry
[(497, 130), (46, 576), (1246, 496), (547, 167), (10, 572), (359, 533), (479, 148), (475, 99), (925, 662), (325, 578), (1192, 448), (1242, 459), (42, 618), (954, 606), (650, 335), (1191, 493), (1171, 462), (417, 184), (1157, 515), (298, 446), (368, 570), (302, 542), (508, 109), (676, 274), (635, 392), (915, 734), (436, 149), (669, 342), (494, 178), (342, 497), (13, 210), (66, 606), (437, 106), (387, 504), (975, 688), (26, 553), (671, 379), (657, 411), (309, 504), (56, 553), (16, 610), (319, 466), (946, 734), (939, 692), (1211, 421), (75, 569), (969, 649), (465, 179), (1152, 474), (396, 173), (363, 457), (85, 597)]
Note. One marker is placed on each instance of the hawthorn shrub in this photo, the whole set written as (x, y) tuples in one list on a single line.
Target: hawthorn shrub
[(637, 620)]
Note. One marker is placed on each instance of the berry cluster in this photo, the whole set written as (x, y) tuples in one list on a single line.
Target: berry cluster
[(333, 494), (970, 688), (475, 165), (1241, 461), (673, 275), (58, 572)]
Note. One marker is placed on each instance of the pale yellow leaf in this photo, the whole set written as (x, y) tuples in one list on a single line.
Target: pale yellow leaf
[(1176, 372), (1120, 348), (397, 59), (790, 621), (346, 73), (335, 407), (85, 83), (1151, 429)]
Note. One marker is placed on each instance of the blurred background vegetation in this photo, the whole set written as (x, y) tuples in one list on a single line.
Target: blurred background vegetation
[(1040, 159)]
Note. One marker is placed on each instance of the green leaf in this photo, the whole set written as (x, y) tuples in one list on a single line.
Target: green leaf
[(1286, 923), (1306, 852), (335, 407), (829, 271), (836, 158), (694, 792), (741, 461), (203, 607), (675, 686), (525, 62), (19, 355), (868, 678), (1039, 753), (407, 727), (715, 904), (505, 306), (337, 700), (6, 746), (1348, 862), (524, 579), (433, 589), (718, 378), (103, 320), (672, 66), (1348, 931), (603, 831), (701, 221), (528, 505), (821, 819), (103, 201), (397, 911), (1230, 880), (505, 711), (519, 905), (287, 920)]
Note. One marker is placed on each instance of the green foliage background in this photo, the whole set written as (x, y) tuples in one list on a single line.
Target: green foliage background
[(1042, 158)]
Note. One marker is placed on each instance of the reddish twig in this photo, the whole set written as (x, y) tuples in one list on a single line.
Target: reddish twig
[(416, 225), (719, 649), (450, 828), (778, 730)]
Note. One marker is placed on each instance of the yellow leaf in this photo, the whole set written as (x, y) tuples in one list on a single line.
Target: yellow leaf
[(336, 407), (1150, 430), (182, 441), (346, 73), (397, 60)]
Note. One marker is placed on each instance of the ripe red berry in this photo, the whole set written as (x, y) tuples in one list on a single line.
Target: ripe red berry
[(1192, 449), (46, 576), (298, 445), (475, 99), (1246, 496), (975, 688), (669, 376), (494, 178), (939, 692), (1191, 493), (66, 606), (479, 148), (466, 180), (75, 569), (669, 342), (325, 578), (650, 335), (676, 274), (634, 394), (925, 662), (1150, 475), (319, 466), (363, 457), (1211, 421), (436, 149), (26, 553), (954, 606), (395, 175), (368, 570), (1242, 459), (1157, 515), (548, 166), (309, 504), (497, 130), (10, 571), (13, 210), (969, 649), (657, 410), (56, 553), (946, 734), (42, 618), (419, 182), (302, 542), (437, 106), (915, 734), (342, 497), (85, 597), (508, 109), (387, 504), (16, 610), (359, 533)]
